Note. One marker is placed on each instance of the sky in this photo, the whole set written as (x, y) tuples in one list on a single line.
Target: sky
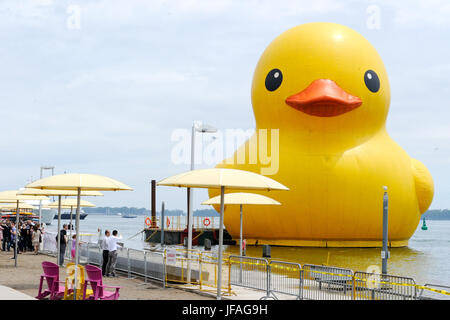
[(100, 86)]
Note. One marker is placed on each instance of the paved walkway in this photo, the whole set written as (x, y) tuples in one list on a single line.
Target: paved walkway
[(7, 293)]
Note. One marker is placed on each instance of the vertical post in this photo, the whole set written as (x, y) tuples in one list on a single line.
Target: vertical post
[(385, 252), (240, 244), (154, 204), (58, 245), (40, 201), (188, 194), (162, 224), (164, 268), (189, 213), (70, 224), (77, 242), (240, 232), (219, 267), (145, 266), (128, 263), (17, 235)]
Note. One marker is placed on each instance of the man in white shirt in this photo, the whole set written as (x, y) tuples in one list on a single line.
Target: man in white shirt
[(105, 248), (112, 247)]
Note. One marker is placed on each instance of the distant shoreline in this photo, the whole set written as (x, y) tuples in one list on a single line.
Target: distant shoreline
[(435, 214)]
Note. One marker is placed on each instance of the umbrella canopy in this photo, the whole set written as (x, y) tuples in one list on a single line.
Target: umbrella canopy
[(242, 198), (75, 181), (221, 177), (69, 203), (64, 193), (13, 196), (22, 205)]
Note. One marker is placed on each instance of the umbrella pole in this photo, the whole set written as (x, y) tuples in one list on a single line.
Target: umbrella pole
[(189, 241), (219, 267), (240, 243), (58, 245), (70, 224), (17, 235), (77, 241), (240, 232)]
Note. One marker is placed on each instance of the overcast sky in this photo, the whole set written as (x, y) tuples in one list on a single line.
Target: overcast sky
[(100, 86)]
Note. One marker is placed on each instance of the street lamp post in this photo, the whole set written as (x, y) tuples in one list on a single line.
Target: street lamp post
[(202, 128), (41, 176), (384, 250)]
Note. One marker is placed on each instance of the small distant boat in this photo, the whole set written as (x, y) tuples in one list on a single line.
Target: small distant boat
[(129, 216)]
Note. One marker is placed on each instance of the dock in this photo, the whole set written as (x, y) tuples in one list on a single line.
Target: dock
[(177, 236)]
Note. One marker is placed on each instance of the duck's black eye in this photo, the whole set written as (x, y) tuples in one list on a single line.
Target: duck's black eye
[(274, 79), (372, 81)]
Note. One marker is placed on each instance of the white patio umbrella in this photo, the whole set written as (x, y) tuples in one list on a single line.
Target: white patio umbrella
[(59, 194), (78, 182), (222, 178)]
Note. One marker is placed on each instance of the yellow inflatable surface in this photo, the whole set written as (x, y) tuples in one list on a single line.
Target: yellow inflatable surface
[(326, 90)]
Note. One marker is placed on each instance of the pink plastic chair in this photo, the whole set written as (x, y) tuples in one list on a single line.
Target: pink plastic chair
[(51, 275), (94, 275)]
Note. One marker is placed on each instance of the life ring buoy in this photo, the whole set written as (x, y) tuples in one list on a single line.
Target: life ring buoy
[(168, 222), (206, 222), (148, 222)]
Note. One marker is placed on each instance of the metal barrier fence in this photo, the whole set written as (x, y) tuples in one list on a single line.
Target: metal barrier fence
[(433, 291), (373, 286), (143, 263), (250, 272), (286, 278), (275, 279), (327, 283)]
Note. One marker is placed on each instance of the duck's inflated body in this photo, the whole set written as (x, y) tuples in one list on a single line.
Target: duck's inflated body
[(325, 89)]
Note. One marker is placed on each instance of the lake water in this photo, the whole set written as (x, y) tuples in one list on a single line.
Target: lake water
[(426, 259)]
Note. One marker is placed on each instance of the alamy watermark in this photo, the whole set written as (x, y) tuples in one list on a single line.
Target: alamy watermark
[(73, 21), (373, 21), (232, 146)]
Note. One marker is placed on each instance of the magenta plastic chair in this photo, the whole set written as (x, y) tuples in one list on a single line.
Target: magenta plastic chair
[(94, 277), (51, 276)]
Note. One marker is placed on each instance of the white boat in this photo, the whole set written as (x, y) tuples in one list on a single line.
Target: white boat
[(46, 213)]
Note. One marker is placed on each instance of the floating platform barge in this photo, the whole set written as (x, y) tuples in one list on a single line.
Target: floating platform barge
[(176, 237)]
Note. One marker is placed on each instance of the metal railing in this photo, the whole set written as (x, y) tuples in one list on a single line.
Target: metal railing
[(250, 273), (286, 278), (274, 279), (431, 291), (327, 283), (373, 286), (179, 222)]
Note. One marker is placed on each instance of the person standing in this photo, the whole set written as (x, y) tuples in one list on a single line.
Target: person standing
[(105, 249), (112, 247), (23, 234), (13, 239), (36, 234), (1, 232), (6, 244), (62, 243)]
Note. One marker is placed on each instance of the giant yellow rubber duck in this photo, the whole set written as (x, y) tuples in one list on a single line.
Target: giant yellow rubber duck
[(324, 87)]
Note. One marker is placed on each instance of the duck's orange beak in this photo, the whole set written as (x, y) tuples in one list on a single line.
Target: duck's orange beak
[(324, 98)]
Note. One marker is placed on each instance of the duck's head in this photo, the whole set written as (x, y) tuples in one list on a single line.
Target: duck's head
[(321, 77)]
